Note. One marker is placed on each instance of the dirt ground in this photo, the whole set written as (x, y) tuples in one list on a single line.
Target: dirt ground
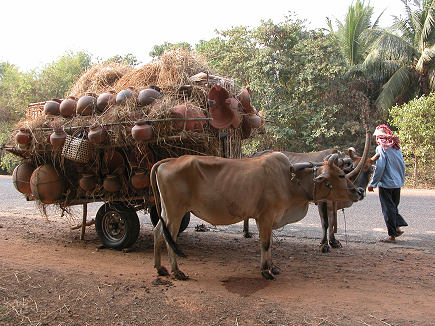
[(49, 277)]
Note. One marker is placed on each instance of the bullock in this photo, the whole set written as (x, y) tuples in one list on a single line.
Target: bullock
[(225, 191), (328, 209)]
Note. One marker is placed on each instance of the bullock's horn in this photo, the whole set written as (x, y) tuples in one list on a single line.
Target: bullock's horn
[(354, 173), (352, 152), (332, 159), (375, 157)]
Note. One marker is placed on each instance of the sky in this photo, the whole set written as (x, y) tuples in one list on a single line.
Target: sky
[(35, 33)]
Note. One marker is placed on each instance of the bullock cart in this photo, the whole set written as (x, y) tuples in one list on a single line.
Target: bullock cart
[(106, 154)]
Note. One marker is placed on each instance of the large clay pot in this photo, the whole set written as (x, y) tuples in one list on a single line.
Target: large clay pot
[(140, 180), (111, 183), (57, 138), (97, 134), (255, 120), (46, 184), (245, 99), (188, 111), (142, 131), (87, 104), (21, 177), (51, 107), (23, 136), (68, 107), (105, 100), (88, 182), (234, 104), (148, 96)]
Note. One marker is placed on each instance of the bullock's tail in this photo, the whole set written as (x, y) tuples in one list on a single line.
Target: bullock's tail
[(156, 194)]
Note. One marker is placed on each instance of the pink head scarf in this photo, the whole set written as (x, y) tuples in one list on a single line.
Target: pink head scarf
[(385, 137)]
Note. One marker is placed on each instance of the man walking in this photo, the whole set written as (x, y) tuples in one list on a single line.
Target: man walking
[(389, 176)]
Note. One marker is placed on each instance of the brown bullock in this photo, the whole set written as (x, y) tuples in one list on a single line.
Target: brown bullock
[(226, 191)]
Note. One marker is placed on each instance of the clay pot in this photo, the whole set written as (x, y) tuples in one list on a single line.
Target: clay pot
[(245, 99), (57, 138), (254, 120), (114, 162), (23, 136), (187, 111), (46, 184), (21, 177), (222, 116), (68, 107), (88, 182), (125, 95), (111, 183), (105, 100), (234, 104), (140, 180), (148, 96), (97, 134), (87, 104), (218, 95), (52, 107), (142, 131)]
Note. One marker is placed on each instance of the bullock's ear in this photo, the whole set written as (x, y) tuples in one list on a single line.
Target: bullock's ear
[(321, 178)]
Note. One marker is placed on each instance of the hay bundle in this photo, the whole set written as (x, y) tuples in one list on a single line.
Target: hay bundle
[(99, 78)]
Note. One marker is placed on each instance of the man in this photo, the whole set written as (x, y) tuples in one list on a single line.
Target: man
[(389, 176)]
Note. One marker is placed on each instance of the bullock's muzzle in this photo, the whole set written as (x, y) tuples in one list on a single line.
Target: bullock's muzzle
[(361, 193)]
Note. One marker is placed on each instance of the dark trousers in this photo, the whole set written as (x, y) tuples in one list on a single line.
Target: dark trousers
[(390, 199)]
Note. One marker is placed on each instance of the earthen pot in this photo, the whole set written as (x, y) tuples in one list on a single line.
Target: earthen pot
[(86, 105), (68, 107), (21, 177), (255, 120), (111, 183), (88, 182), (46, 184), (105, 100), (125, 95), (97, 134), (23, 136), (142, 131), (188, 111), (222, 116), (140, 180), (148, 96), (234, 106), (245, 99), (218, 94), (57, 138), (51, 107)]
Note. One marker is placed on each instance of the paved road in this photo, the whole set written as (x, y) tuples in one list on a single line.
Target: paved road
[(363, 221)]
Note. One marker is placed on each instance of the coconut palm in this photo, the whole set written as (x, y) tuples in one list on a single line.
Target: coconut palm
[(404, 61), (357, 33)]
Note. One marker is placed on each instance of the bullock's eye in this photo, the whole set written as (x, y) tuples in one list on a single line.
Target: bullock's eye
[(341, 176)]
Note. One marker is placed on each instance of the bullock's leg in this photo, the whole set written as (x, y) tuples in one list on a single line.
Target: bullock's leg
[(246, 232), (267, 268), (173, 226), (332, 218), (158, 241), (323, 213)]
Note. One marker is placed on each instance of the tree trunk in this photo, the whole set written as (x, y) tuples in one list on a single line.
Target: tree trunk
[(415, 170)]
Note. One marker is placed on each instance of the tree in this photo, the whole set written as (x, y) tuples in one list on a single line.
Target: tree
[(128, 59), (404, 62), (158, 50), (415, 121)]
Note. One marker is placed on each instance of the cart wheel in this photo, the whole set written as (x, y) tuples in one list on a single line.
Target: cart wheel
[(155, 219), (117, 225)]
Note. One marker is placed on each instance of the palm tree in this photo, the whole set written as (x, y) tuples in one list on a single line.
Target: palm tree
[(404, 62), (357, 33)]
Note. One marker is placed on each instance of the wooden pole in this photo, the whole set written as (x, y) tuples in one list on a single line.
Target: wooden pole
[(85, 214)]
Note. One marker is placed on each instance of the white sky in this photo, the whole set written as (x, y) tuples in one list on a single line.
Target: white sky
[(36, 32)]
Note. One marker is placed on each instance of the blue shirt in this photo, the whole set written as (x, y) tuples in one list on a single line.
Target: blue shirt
[(390, 169)]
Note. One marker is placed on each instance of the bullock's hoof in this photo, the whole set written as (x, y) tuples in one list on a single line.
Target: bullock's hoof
[(179, 275), (324, 248), (247, 235), (335, 244), (275, 270), (267, 275), (162, 271)]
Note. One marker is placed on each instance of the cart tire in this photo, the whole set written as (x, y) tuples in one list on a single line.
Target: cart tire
[(117, 225), (155, 219)]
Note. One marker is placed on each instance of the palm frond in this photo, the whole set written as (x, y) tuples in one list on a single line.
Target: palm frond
[(397, 85), (391, 47), (428, 25)]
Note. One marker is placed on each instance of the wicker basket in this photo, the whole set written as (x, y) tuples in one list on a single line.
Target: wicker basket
[(76, 149)]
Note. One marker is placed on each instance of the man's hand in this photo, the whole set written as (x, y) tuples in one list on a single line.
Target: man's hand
[(370, 188)]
